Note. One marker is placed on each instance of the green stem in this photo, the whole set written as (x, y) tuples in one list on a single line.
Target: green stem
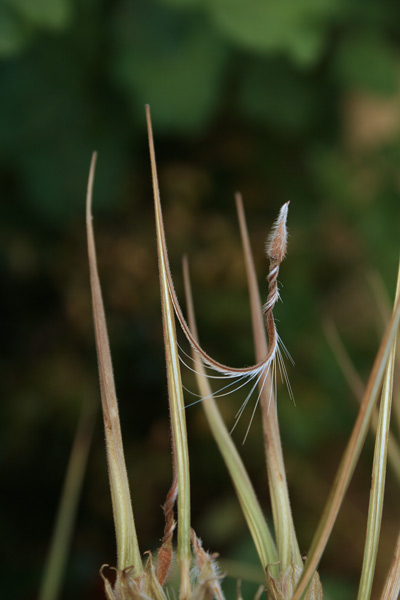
[(177, 407)]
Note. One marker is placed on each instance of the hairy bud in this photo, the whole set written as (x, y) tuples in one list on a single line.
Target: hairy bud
[(277, 241)]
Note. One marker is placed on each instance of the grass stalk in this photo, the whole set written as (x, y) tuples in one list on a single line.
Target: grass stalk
[(61, 538), (391, 590), (351, 455), (288, 549), (128, 553), (177, 407), (255, 520), (383, 304), (357, 386), (378, 483), (378, 476)]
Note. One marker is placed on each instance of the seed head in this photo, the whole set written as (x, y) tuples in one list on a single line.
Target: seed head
[(277, 241)]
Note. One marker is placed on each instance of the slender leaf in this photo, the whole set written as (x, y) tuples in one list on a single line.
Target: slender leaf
[(391, 591), (58, 552), (378, 480), (351, 455), (288, 548), (128, 553), (177, 406), (257, 525), (383, 304), (357, 386)]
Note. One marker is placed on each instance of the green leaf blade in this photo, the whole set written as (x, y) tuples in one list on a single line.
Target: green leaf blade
[(258, 527), (378, 479), (351, 455), (177, 406), (128, 553)]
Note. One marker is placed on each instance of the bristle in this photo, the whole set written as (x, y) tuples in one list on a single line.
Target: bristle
[(276, 247)]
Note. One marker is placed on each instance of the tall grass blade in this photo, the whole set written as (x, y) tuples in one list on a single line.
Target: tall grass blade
[(381, 296), (128, 553), (256, 523), (59, 546), (343, 360), (288, 549), (357, 386), (378, 482), (383, 304), (177, 407), (351, 454), (391, 591)]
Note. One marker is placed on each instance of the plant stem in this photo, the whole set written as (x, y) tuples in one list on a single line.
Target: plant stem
[(258, 527), (57, 556), (177, 407), (378, 480), (351, 455), (128, 553), (288, 549)]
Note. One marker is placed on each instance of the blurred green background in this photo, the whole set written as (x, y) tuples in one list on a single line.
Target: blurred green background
[(280, 99)]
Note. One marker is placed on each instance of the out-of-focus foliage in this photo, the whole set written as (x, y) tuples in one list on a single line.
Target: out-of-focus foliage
[(185, 56), (283, 100), (296, 29), (81, 72)]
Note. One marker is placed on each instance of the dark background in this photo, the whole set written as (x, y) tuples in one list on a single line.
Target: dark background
[(281, 100)]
